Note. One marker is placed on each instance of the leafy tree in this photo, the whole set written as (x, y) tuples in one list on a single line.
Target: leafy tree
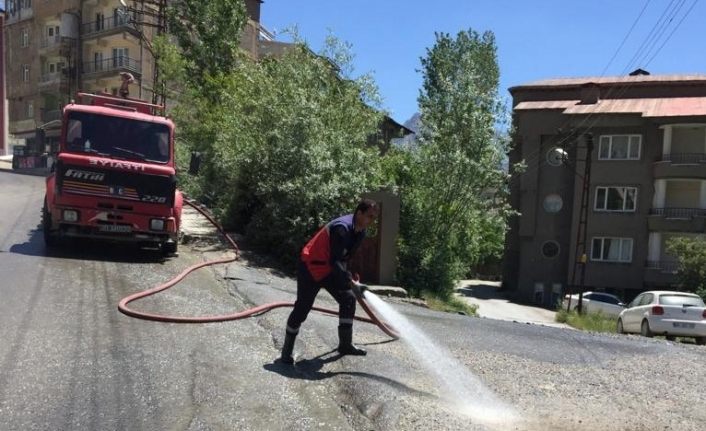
[(285, 140), (452, 185), (209, 31), (691, 253), (311, 161)]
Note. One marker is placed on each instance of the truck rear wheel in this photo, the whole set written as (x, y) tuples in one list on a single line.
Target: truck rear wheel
[(50, 239), (169, 247)]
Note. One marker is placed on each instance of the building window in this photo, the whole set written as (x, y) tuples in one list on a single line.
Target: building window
[(619, 199), (25, 73), (99, 21), (550, 249), (553, 203), (120, 57), (25, 38), (620, 147), (611, 249), (30, 110)]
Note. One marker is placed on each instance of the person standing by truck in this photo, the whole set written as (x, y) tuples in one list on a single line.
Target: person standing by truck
[(323, 263)]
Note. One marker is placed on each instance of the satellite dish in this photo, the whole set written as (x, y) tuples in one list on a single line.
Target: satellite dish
[(557, 156)]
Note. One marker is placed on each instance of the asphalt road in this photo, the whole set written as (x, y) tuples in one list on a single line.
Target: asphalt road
[(70, 361)]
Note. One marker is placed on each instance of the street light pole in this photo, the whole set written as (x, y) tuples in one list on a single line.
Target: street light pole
[(583, 221), (580, 255), (582, 230)]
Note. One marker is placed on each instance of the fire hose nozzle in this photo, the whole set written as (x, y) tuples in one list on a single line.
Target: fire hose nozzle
[(359, 288)]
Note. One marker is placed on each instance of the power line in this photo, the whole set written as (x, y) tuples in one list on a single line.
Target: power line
[(673, 31), (656, 29), (626, 37), (653, 36)]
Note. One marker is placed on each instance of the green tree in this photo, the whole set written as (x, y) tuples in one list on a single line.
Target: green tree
[(452, 185), (284, 140), (691, 253), (209, 32), (311, 159)]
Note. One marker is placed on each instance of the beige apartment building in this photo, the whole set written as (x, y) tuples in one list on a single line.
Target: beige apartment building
[(56, 48), (647, 183)]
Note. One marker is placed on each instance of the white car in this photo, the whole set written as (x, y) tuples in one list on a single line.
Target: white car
[(665, 313), (593, 302)]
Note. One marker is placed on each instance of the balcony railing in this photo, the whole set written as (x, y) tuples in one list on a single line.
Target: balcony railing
[(685, 158), (678, 212), (50, 41), (668, 266), (53, 115), (48, 78), (105, 25), (112, 65)]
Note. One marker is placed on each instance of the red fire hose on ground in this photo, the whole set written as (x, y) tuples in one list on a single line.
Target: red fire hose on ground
[(122, 306)]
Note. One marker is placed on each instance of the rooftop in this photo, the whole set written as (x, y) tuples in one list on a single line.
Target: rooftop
[(646, 107), (577, 82)]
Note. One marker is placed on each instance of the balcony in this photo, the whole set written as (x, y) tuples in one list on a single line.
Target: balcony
[(677, 220), (107, 27), (22, 126), (49, 116), (52, 81), (661, 273), (15, 13), (681, 165), (49, 42), (111, 66)]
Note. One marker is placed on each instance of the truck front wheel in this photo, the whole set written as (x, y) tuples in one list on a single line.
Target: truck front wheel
[(50, 239), (169, 248)]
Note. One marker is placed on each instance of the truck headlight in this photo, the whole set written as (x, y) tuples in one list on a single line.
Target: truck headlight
[(70, 216), (156, 224)]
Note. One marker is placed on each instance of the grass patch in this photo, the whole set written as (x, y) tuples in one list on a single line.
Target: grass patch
[(450, 305), (595, 322)]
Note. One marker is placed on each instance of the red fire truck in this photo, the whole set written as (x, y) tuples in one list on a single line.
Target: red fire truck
[(114, 176)]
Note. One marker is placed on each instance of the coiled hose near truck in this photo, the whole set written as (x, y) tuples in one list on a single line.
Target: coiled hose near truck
[(123, 305)]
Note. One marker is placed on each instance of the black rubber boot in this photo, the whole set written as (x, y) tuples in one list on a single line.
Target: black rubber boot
[(346, 346), (287, 349)]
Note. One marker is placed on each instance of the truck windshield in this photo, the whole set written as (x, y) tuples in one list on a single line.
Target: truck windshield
[(117, 137)]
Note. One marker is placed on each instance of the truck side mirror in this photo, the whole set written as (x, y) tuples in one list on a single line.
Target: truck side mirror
[(195, 163)]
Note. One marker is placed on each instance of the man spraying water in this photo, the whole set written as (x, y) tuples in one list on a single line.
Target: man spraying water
[(323, 263)]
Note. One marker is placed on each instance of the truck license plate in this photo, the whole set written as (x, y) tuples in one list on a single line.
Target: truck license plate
[(114, 228), (683, 325)]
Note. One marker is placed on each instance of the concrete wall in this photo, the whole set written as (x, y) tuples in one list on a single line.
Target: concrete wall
[(390, 217)]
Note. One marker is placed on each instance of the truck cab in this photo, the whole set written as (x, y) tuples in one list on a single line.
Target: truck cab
[(115, 174)]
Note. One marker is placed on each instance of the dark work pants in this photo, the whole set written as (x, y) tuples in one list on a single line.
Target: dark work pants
[(308, 288)]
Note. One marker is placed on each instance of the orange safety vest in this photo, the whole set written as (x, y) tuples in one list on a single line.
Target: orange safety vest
[(316, 254)]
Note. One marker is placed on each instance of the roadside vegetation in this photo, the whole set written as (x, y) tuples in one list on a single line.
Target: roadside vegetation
[(691, 254), (450, 305), (290, 142), (594, 322)]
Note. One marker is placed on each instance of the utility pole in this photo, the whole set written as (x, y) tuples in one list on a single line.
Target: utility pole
[(158, 95), (582, 231), (160, 25)]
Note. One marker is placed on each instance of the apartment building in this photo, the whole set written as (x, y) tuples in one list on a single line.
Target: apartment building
[(59, 47), (647, 183), (4, 147)]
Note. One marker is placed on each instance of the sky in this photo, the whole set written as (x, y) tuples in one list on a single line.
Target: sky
[(536, 39)]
